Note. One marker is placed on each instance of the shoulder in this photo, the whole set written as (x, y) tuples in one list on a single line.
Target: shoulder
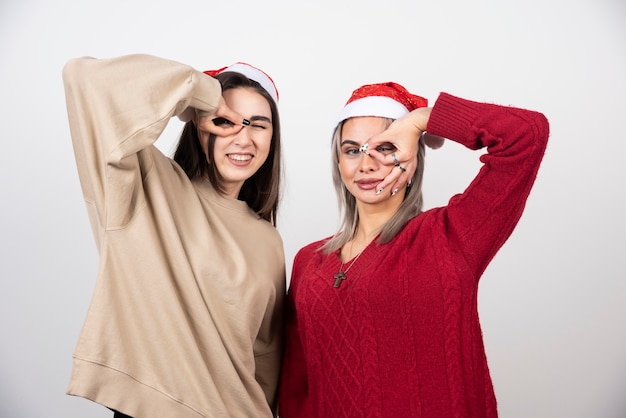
[(422, 228), (270, 230), (308, 258), (310, 251), (313, 246)]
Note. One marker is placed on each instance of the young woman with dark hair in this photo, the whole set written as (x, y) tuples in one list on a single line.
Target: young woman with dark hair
[(186, 316)]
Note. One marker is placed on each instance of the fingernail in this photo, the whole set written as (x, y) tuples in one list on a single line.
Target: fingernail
[(394, 192), (379, 191)]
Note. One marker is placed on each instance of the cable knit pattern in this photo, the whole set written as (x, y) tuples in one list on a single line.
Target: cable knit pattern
[(452, 320), (373, 402), (413, 381), (401, 336)]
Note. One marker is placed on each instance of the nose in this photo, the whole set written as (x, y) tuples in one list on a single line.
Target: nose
[(244, 136), (367, 163)]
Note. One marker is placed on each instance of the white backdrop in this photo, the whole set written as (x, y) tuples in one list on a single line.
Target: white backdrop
[(552, 303)]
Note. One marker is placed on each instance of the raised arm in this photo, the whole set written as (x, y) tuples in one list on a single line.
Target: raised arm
[(482, 218), (118, 107)]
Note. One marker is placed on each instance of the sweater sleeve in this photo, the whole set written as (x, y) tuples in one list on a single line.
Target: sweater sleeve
[(269, 345), (117, 108), (482, 218)]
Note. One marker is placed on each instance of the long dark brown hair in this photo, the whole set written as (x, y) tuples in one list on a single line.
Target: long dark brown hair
[(261, 191)]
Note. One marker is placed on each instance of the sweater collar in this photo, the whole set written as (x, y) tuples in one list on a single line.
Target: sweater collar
[(331, 263), (205, 188)]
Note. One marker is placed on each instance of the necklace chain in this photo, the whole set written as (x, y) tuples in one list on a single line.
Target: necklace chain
[(351, 264), (341, 275)]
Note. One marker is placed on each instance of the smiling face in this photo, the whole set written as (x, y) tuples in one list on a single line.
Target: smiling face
[(239, 156), (361, 174)]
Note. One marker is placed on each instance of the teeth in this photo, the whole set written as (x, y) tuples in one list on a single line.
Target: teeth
[(238, 157)]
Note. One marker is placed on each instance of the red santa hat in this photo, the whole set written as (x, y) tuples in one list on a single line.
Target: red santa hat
[(252, 73), (386, 100)]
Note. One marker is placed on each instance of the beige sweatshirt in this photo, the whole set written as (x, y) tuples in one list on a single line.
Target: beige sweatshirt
[(186, 315)]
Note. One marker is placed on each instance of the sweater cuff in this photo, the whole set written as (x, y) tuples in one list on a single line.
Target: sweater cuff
[(206, 92), (452, 118)]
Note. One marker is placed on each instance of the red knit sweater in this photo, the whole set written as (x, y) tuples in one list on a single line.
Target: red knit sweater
[(401, 336)]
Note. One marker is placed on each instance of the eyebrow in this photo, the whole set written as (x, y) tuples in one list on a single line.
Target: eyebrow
[(260, 119), (349, 142)]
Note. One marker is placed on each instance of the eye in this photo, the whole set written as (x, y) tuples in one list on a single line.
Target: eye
[(386, 148), (223, 122), (350, 151), (259, 123)]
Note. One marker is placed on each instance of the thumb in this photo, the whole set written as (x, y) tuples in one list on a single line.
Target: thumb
[(227, 113)]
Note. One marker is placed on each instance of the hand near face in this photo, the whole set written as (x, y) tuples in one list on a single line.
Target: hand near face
[(404, 134), (222, 121)]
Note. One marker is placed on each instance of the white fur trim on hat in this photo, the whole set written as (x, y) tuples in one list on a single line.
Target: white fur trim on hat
[(257, 75), (379, 106)]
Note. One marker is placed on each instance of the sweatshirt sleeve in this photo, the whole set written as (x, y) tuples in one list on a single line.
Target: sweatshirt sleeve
[(482, 218), (117, 108), (269, 345)]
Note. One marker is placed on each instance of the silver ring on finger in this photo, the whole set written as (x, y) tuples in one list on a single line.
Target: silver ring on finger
[(395, 161)]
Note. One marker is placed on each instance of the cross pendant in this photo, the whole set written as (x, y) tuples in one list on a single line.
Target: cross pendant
[(339, 277)]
